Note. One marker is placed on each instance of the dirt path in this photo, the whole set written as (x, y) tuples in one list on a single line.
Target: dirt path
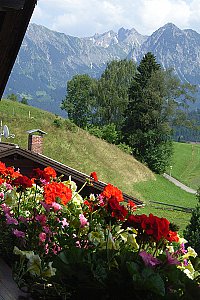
[(179, 184)]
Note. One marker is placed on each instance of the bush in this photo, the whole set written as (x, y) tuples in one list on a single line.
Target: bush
[(58, 122), (69, 125), (192, 231), (110, 134), (106, 132), (127, 149), (96, 131)]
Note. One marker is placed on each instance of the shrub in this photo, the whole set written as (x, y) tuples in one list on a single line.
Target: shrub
[(192, 231), (69, 125), (96, 131), (58, 122), (127, 149)]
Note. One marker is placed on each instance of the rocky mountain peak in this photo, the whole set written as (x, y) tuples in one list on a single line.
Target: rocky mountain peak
[(48, 59)]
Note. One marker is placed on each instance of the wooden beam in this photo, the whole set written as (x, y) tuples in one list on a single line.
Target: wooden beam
[(13, 25), (11, 4)]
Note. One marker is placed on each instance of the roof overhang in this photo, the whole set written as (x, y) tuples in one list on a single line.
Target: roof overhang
[(45, 161), (7, 5), (15, 16)]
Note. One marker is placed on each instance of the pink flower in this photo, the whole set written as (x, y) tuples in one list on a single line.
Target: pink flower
[(83, 221), (46, 229), (101, 198), (64, 223), (56, 206), (22, 219), (149, 260), (45, 205), (10, 220), (5, 208), (18, 233), (172, 260), (46, 249), (42, 219), (9, 186), (1, 195), (42, 237), (44, 181), (56, 249)]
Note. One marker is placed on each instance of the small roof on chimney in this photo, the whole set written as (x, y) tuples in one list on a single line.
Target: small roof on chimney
[(36, 131)]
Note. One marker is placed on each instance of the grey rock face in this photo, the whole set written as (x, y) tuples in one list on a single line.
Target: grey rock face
[(48, 59)]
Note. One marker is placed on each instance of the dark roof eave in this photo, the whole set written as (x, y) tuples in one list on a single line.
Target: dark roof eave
[(62, 169), (7, 5)]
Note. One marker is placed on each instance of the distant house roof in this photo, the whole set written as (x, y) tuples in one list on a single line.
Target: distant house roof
[(26, 160), (14, 19)]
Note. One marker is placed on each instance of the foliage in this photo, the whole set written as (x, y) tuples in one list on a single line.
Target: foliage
[(127, 149), (68, 246), (152, 108), (24, 101), (100, 102), (106, 132), (79, 101), (192, 231), (58, 122), (112, 92), (12, 97)]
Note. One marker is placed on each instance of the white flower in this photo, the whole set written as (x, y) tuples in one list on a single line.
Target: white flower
[(34, 265), (190, 252), (92, 197), (50, 271)]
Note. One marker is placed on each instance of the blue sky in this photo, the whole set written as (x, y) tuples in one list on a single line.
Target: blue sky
[(87, 17)]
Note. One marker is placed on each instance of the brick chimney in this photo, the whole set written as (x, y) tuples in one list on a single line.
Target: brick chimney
[(35, 140)]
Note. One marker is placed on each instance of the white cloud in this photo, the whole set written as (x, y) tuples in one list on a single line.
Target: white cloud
[(86, 17), (156, 13)]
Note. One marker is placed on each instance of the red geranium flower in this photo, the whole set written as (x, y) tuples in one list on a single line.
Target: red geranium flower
[(156, 227), (50, 172), (131, 205), (172, 236), (117, 211), (2, 168), (22, 183), (94, 176), (55, 190), (45, 174), (112, 191), (135, 221)]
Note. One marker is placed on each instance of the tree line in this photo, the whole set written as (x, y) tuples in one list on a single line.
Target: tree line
[(134, 106)]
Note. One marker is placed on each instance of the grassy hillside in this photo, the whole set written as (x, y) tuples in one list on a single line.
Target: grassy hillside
[(186, 164), (73, 146), (78, 149)]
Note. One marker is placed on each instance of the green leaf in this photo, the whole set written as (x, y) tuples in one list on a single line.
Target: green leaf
[(153, 282)]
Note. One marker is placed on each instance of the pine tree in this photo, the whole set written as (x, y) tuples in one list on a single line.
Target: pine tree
[(145, 129)]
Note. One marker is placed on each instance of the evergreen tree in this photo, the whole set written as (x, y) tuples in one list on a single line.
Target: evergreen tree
[(146, 128)]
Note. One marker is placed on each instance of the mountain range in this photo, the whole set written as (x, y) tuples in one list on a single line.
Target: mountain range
[(48, 59)]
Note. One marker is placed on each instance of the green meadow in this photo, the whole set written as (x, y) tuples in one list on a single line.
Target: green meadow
[(76, 148)]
